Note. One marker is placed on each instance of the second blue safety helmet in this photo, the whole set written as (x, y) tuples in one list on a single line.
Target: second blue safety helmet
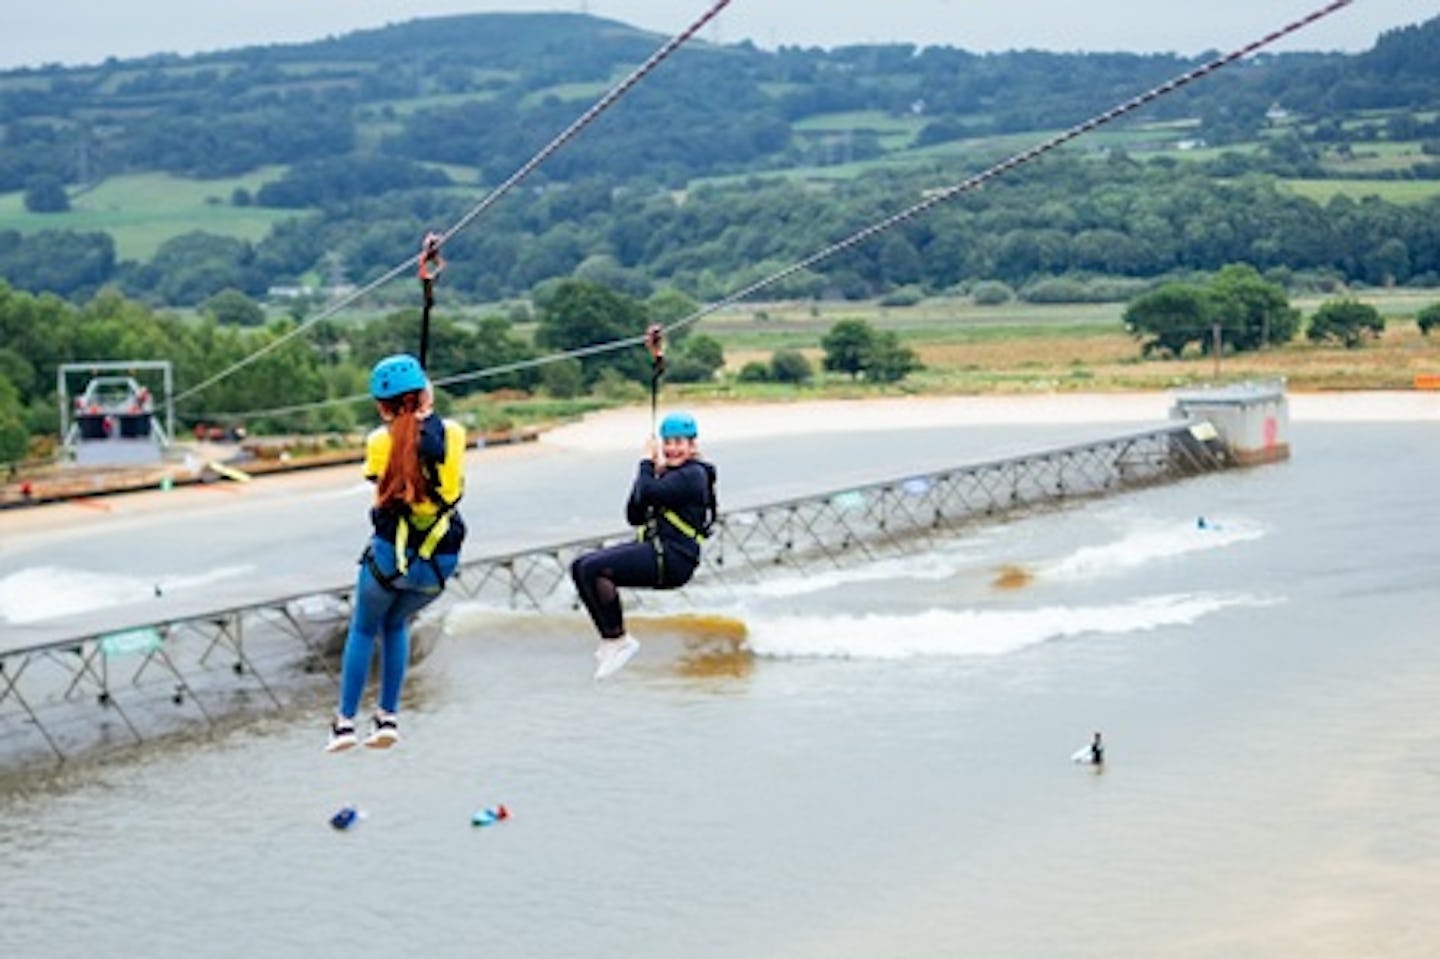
[(395, 375), (678, 425)]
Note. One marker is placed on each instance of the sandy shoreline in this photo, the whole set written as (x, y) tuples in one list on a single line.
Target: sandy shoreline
[(722, 421)]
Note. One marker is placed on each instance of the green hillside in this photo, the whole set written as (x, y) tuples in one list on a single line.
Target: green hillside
[(335, 156)]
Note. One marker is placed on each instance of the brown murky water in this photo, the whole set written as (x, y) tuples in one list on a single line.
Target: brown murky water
[(880, 766)]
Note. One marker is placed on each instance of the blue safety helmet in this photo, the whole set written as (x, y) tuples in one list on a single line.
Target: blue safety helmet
[(678, 425), (395, 375)]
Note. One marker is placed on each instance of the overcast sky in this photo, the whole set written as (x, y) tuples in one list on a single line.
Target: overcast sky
[(88, 31)]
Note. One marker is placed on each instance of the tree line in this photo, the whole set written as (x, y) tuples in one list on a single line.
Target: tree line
[(1238, 311), (331, 362), (328, 367), (1234, 310), (1068, 217), (714, 109)]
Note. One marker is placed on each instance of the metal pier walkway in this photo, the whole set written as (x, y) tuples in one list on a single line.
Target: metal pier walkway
[(127, 675)]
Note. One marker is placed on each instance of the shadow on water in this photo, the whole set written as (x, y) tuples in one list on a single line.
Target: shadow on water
[(711, 646)]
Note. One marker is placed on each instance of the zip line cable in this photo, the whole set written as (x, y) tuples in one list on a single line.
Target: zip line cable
[(880, 226), (949, 193), (607, 347), (938, 197), (566, 135)]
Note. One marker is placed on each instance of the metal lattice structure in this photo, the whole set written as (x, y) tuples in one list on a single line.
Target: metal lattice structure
[(125, 682), (127, 686), (864, 523)]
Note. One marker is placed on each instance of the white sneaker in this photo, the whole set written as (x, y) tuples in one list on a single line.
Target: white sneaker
[(384, 732), (342, 735), (612, 655)]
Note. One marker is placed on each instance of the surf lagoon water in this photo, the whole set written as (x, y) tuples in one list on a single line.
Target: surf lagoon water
[(888, 775)]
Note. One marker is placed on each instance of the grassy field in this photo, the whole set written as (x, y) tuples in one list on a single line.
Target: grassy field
[(567, 92), (142, 211), (973, 154), (894, 132), (406, 107), (1374, 159), (1393, 191), (964, 157), (876, 121), (1034, 348)]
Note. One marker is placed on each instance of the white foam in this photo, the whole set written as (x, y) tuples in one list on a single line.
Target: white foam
[(939, 632), (931, 566), (45, 592), (1147, 545)]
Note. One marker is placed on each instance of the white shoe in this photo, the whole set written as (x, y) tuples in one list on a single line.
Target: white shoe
[(612, 655), (384, 732), (342, 735)]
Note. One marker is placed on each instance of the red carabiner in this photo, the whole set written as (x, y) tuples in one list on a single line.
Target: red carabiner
[(655, 340), (431, 262)]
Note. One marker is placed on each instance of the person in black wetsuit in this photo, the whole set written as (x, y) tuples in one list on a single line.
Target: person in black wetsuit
[(672, 502)]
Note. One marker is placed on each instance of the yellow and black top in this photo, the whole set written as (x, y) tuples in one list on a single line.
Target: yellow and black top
[(432, 526)]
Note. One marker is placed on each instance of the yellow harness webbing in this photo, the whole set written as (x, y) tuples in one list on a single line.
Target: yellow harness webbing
[(437, 531), (682, 526), (674, 520)]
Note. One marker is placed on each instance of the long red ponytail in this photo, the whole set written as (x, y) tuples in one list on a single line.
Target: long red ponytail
[(404, 480)]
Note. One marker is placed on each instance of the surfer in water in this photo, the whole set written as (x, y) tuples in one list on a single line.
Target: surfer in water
[(416, 461), (672, 503)]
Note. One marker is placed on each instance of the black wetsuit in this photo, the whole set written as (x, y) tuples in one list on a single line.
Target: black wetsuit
[(666, 556)]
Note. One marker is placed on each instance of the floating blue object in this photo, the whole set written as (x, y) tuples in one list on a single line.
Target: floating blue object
[(488, 817), (344, 817)]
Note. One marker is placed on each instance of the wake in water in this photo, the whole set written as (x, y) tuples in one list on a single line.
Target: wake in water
[(1149, 543), (944, 632), (47, 592), (890, 636), (981, 630), (942, 602)]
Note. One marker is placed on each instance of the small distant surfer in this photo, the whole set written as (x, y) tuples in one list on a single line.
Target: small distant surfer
[(672, 503), (1092, 754), (416, 461)]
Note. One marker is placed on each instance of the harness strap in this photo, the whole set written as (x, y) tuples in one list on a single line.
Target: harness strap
[(649, 531), (674, 520), (386, 580), (436, 532)]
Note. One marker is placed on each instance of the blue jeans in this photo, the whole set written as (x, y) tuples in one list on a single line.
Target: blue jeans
[(386, 613)]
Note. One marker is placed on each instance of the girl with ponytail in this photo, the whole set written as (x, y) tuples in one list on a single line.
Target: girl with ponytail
[(416, 461)]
